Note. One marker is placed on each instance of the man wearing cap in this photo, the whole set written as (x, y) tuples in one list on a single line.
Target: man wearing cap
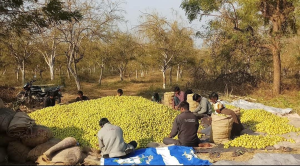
[(111, 141)]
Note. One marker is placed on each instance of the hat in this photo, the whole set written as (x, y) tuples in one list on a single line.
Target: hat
[(218, 105)]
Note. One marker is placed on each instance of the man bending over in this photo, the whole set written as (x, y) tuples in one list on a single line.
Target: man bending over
[(111, 142)]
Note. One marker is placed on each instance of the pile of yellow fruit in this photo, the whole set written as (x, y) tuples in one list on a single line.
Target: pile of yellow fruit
[(265, 122), (254, 141), (140, 119)]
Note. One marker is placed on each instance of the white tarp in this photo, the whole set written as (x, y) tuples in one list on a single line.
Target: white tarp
[(249, 105), (266, 159)]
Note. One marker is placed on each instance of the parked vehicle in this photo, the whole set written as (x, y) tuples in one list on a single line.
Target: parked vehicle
[(36, 95)]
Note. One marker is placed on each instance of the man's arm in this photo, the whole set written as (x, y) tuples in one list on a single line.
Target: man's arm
[(203, 106), (100, 140), (197, 109), (174, 130)]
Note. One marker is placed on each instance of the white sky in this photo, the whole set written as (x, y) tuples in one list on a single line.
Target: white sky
[(134, 9)]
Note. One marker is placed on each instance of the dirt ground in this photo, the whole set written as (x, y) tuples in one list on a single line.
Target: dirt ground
[(143, 87)]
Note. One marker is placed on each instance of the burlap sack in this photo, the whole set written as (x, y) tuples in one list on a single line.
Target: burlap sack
[(39, 135), (221, 128), (1, 103), (193, 104), (17, 152), (3, 156), (4, 140), (20, 125), (6, 115), (168, 99), (65, 143), (237, 112), (40, 149), (70, 156)]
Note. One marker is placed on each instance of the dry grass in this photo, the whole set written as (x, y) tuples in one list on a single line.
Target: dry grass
[(245, 157), (146, 86)]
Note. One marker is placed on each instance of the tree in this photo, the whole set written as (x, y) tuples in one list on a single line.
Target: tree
[(275, 15), (124, 49), (167, 41), (17, 15), (21, 49), (97, 21)]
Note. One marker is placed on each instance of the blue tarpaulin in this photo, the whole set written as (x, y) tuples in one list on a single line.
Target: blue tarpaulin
[(172, 155)]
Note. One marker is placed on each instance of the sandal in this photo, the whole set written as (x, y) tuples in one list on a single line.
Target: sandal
[(238, 153), (214, 154)]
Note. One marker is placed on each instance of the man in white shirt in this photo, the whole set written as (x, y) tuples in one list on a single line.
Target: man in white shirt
[(204, 107), (111, 142)]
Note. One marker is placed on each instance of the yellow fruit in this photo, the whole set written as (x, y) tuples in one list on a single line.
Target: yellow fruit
[(140, 119), (266, 122), (254, 141)]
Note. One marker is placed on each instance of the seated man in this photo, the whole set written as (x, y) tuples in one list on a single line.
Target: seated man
[(49, 101), (111, 142), (120, 92), (214, 98), (178, 97), (156, 98), (204, 107), (185, 125), (81, 97), (237, 126)]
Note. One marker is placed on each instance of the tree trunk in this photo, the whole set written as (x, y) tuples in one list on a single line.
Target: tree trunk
[(35, 71), (164, 79), (101, 74), (77, 82), (41, 74), (177, 76), (23, 71), (121, 74), (277, 68), (170, 77), (75, 75), (3, 73), (136, 74), (142, 73), (94, 68), (51, 68), (68, 72), (59, 71), (17, 72), (180, 73)]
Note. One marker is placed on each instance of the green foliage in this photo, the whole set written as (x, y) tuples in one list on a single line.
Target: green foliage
[(194, 8), (14, 17)]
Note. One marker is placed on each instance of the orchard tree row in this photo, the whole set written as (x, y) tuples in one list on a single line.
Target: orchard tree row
[(257, 37)]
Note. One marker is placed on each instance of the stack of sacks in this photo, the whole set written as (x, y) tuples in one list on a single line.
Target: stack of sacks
[(66, 152), (22, 141)]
